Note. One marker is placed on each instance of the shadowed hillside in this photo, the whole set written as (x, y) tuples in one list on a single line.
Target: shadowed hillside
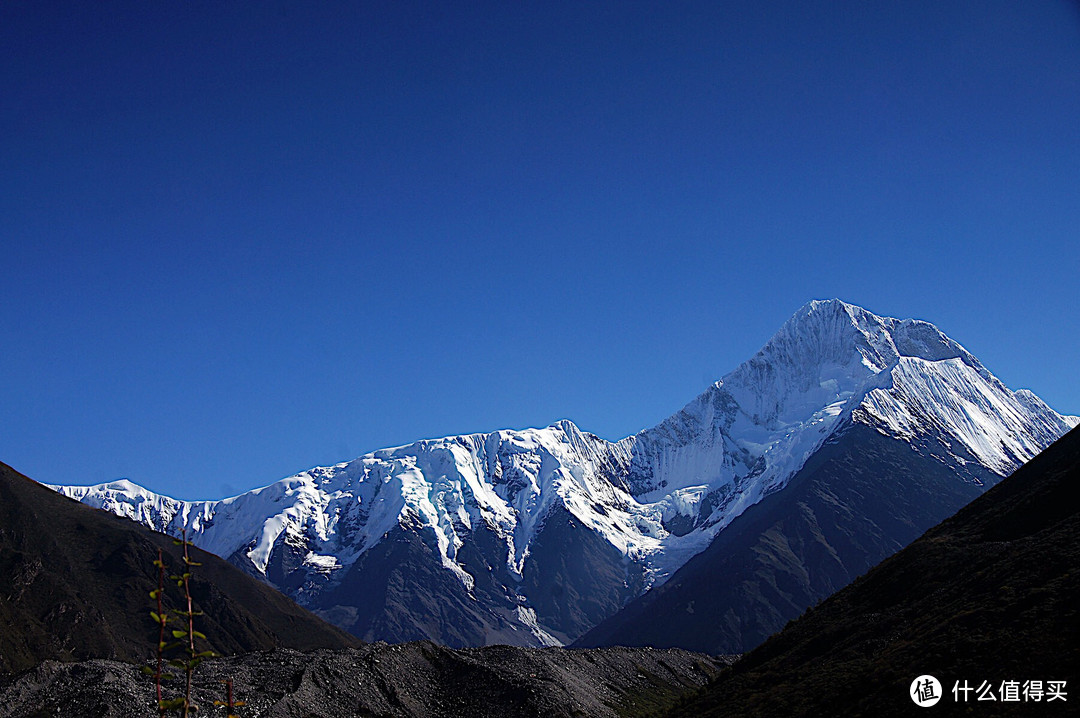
[(858, 500), (75, 584), (990, 594)]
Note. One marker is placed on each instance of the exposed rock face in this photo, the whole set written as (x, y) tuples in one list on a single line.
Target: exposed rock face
[(860, 498)]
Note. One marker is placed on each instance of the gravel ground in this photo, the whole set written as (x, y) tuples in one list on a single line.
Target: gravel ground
[(413, 680)]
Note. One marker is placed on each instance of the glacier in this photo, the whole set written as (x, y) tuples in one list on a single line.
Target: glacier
[(658, 497)]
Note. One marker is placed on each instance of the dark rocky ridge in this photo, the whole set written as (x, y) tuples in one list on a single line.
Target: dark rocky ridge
[(862, 497), (989, 594), (575, 579), (395, 589), (414, 680), (75, 584)]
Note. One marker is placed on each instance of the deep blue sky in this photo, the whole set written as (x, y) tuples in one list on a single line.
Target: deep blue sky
[(242, 239)]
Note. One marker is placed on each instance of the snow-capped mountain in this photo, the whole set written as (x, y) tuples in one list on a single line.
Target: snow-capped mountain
[(534, 536)]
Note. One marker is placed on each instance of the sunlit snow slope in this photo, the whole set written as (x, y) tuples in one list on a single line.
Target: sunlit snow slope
[(544, 532)]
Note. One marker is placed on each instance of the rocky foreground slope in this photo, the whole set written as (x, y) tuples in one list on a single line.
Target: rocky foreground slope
[(415, 680)]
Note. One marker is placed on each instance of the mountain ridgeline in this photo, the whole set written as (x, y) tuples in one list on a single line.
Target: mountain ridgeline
[(843, 439)]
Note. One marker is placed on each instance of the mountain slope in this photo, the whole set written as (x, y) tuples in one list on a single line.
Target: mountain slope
[(531, 537), (75, 584), (987, 595), (859, 499), (922, 438)]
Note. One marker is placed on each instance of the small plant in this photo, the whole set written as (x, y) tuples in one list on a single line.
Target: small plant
[(161, 618), (230, 704), (184, 638)]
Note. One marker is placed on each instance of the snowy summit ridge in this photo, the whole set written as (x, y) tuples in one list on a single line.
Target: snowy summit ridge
[(656, 498)]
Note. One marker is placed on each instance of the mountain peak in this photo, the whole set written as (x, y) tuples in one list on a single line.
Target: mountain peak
[(829, 304), (566, 426), (125, 485), (819, 356), (823, 307), (837, 332)]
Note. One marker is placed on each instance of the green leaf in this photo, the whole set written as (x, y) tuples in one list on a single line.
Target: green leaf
[(179, 634), (155, 593), (157, 618), (199, 635), (148, 670), (207, 654)]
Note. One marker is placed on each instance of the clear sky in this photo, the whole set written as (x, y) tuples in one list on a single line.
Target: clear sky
[(239, 239)]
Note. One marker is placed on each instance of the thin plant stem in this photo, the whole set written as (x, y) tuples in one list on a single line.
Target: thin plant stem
[(161, 630), (189, 667)]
